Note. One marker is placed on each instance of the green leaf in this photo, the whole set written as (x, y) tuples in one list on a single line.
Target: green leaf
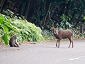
[(1, 19), (84, 17), (11, 27), (5, 38), (4, 28)]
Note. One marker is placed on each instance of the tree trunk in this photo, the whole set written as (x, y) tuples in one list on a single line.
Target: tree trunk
[(47, 14), (27, 10), (1, 4), (22, 9)]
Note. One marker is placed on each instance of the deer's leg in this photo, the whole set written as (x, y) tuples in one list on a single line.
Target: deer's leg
[(70, 42), (69, 45), (58, 43)]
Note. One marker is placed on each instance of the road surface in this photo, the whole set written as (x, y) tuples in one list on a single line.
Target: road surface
[(44, 53)]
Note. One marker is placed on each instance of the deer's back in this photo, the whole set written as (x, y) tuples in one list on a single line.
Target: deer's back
[(64, 34)]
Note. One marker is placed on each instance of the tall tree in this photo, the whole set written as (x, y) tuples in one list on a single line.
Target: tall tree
[(1, 4), (45, 13)]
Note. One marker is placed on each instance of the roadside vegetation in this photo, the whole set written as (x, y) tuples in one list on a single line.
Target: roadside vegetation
[(25, 31), (11, 24)]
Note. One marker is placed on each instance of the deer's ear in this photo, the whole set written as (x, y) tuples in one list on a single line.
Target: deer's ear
[(56, 27)]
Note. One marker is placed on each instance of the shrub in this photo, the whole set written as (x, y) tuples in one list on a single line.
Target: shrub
[(24, 30), (5, 27), (48, 35), (28, 31)]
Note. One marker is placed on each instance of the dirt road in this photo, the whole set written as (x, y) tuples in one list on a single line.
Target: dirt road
[(44, 53)]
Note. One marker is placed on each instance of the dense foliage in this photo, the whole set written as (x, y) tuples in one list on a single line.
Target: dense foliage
[(48, 13), (24, 30), (66, 14)]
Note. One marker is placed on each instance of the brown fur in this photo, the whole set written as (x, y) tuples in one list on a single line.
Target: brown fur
[(63, 34)]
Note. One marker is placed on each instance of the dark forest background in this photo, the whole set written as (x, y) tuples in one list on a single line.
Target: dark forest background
[(47, 13)]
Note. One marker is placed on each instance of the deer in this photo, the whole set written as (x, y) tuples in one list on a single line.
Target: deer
[(62, 34)]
